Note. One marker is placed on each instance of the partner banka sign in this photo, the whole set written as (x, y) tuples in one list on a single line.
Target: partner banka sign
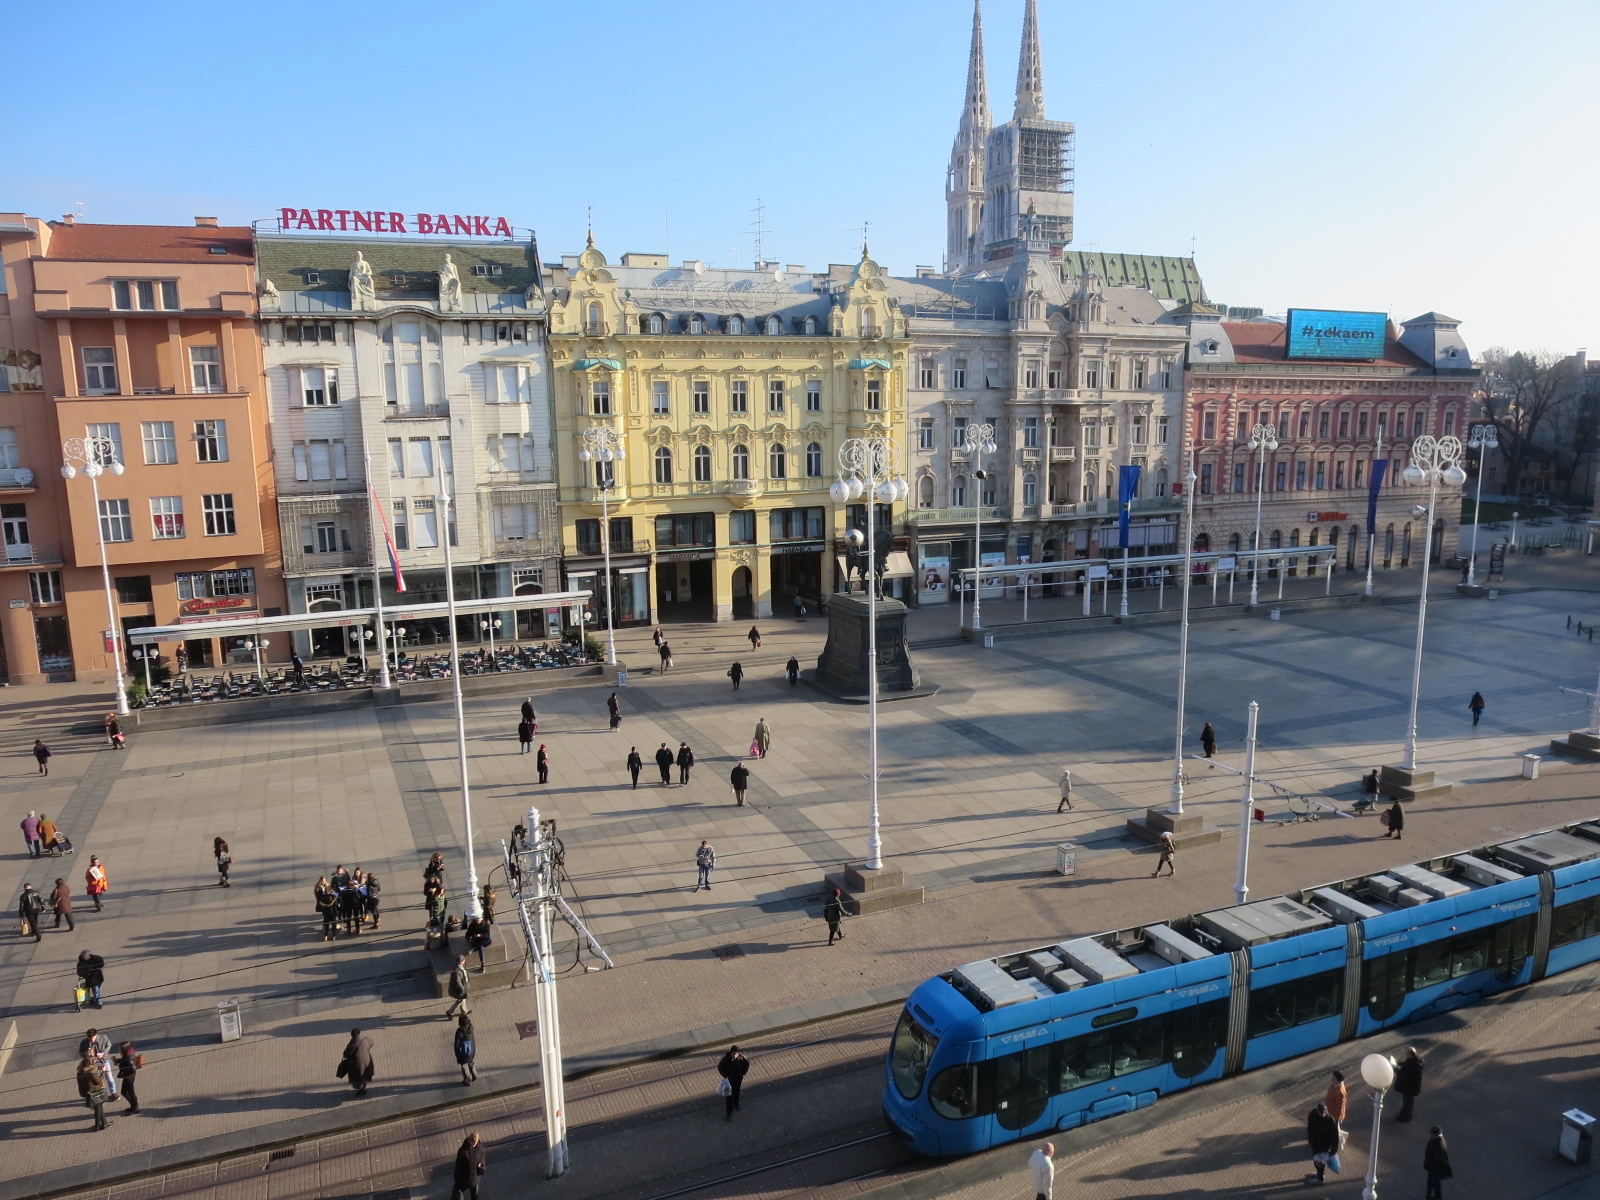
[(1325, 333), (349, 220)]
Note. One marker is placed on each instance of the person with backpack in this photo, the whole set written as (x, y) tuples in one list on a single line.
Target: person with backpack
[(1476, 706), (466, 1050)]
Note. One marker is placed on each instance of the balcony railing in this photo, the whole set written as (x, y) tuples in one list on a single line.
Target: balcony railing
[(28, 554), (932, 516), (421, 412), (1063, 454), (16, 477), (742, 487), (638, 546)]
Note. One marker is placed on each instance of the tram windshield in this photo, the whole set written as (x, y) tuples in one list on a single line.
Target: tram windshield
[(909, 1055)]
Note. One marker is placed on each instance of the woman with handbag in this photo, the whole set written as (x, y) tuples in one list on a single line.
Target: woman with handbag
[(128, 1063), (92, 1087), (219, 850), (327, 907)]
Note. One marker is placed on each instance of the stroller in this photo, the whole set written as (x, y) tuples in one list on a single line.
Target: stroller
[(61, 847)]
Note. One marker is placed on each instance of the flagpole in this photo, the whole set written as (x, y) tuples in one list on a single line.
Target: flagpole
[(377, 579)]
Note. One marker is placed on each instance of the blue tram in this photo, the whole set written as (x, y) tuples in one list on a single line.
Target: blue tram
[(1052, 1038)]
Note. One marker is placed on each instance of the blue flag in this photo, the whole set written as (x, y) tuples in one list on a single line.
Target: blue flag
[(1127, 489), (1379, 467)]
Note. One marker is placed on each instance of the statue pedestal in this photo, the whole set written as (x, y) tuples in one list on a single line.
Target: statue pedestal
[(1580, 743), (867, 891), (843, 667), (1187, 829), (1404, 784)]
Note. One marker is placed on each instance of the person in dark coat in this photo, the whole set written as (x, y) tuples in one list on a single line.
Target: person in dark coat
[(525, 736), (41, 754), (92, 1087), (479, 936), (635, 765), (1395, 818), (733, 1067), (543, 763), (351, 903), (127, 1068), (434, 869), (30, 908), (224, 857), (736, 673), (739, 777), (1322, 1135), (792, 670), (755, 638), (1208, 740), (1408, 1082), (91, 969), (685, 761), (664, 761), (665, 650), (470, 1166), (356, 1062), (1369, 785), (61, 904), (1436, 1162), (833, 913), (528, 714), (466, 1050), (614, 707), (1476, 705)]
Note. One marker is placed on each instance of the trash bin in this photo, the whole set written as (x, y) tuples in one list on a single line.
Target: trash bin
[(622, 678), (228, 1019), (1530, 766), (1577, 1136), (1275, 614), (1066, 859), (988, 641)]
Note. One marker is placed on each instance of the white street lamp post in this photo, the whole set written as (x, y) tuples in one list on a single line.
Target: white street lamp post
[(374, 523), (1263, 442), (1433, 461), (603, 446), (1378, 1071), (447, 503), (870, 466), (95, 455), (978, 441), (397, 635), (1248, 804), (489, 627), (1176, 806), (1483, 438)]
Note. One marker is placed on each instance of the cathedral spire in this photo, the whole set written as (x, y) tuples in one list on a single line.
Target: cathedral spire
[(976, 113), (964, 184), (1030, 72)]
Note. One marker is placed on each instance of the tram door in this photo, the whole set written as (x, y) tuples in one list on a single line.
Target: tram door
[(1022, 1087)]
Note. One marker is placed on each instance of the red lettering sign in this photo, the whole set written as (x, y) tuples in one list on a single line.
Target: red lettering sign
[(349, 220), (190, 607)]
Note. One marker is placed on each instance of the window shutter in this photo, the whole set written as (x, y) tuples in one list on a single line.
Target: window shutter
[(300, 471)]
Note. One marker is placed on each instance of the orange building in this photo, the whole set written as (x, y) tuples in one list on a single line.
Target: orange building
[(142, 338)]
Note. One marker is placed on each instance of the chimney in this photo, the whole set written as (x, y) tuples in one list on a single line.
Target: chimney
[(69, 218), (206, 222)]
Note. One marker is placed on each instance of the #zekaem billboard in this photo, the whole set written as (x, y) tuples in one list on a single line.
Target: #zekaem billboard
[(1323, 333)]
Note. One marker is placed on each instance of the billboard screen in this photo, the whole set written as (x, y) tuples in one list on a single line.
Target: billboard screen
[(1322, 333)]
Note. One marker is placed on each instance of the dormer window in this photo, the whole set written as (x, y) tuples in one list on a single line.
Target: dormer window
[(697, 324), (654, 324), (774, 326), (735, 324), (811, 326)]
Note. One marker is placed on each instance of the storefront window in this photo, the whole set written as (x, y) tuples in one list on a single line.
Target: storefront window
[(686, 529)]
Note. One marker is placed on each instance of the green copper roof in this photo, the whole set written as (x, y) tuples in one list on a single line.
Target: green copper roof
[(1169, 278)]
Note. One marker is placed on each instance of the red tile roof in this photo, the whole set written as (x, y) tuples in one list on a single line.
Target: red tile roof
[(1265, 341), (151, 243)]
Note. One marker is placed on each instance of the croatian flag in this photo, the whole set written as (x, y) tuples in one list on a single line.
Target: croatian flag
[(388, 541)]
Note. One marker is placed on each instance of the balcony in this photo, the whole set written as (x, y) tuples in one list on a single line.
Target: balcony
[(638, 546), (421, 412), (16, 479), (1063, 454), (31, 554), (957, 516), (534, 547)]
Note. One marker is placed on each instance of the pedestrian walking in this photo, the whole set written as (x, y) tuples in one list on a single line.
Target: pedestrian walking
[(459, 987), (1476, 705), (219, 850), (543, 763), (1338, 1102), (466, 1050), (685, 761), (614, 709), (1208, 740), (792, 670), (47, 835), (736, 673), (97, 881), (479, 938), (658, 637), (1042, 1171), (739, 777), (41, 755), (733, 1067), (30, 910), (470, 1165), (1408, 1082), (1322, 1135), (182, 657), (664, 761), (91, 971), (355, 1064), (1394, 819), (755, 638), (525, 736), (1168, 849), (92, 1087), (1369, 784), (635, 765), (327, 901), (127, 1068), (528, 714), (705, 858), (299, 665), (833, 914), (1436, 1162), (799, 607), (373, 889), (1066, 790), (115, 738), (30, 834), (763, 737), (665, 650), (61, 904)]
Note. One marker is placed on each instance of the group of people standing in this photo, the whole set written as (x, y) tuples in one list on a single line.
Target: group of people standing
[(100, 1081), (342, 898), (1326, 1135)]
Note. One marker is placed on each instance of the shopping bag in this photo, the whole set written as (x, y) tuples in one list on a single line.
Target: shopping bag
[(725, 1088), (755, 749), (1333, 1163), (1383, 819), (80, 995)]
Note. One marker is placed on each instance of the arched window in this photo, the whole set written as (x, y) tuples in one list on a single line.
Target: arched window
[(1233, 541), (869, 323), (1294, 537), (1091, 487), (596, 326), (663, 465), (1202, 543), (811, 326), (778, 461), (1350, 548), (1162, 481), (774, 325), (741, 462), (1274, 540), (958, 492), (925, 492), (702, 464), (657, 325), (1405, 546), (1388, 546), (1315, 539), (814, 460), (1030, 489), (735, 324), (697, 324)]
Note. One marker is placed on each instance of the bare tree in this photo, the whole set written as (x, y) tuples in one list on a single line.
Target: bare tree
[(1522, 393)]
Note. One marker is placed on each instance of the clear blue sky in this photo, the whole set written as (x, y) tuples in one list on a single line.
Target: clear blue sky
[(1406, 155)]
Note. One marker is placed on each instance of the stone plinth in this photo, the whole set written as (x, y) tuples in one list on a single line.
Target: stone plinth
[(1578, 744), (1472, 591), (503, 960), (1187, 829), (1408, 784), (868, 891), (842, 668)]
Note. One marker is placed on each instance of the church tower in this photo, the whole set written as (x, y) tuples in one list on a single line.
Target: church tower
[(963, 189)]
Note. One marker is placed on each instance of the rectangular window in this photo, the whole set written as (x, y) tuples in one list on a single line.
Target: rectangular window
[(99, 371), (106, 441), (516, 522), (660, 398), (1296, 1002), (959, 437), (927, 374), (319, 387), (1112, 373), (1138, 375), (402, 526), (166, 517), (325, 537), (1030, 373), (1322, 476), (133, 589), (600, 397), (1356, 479), (1208, 427), (1417, 421), (516, 452), (1450, 423), (1338, 475), (795, 524), (320, 459), (775, 395), (686, 529), (874, 394), (1205, 479), (958, 374), (1324, 419), (1138, 431), (1091, 374), (1238, 477), (1300, 477), (309, 334), (741, 528), (1091, 434), (1305, 422), (1361, 424), (813, 395), (419, 458), (192, 586), (1344, 425), (1163, 424), (169, 294), (205, 366), (116, 521), (211, 441), (239, 581), (1052, 377), (160, 443), (10, 453), (397, 459), (702, 397), (218, 510), (739, 397), (45, 586), (426, 523), (925, 433), (1281, 477), (134, 294), (1030, 432)]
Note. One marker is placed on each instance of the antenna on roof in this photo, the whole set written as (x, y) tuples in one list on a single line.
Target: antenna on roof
[(760, 228)]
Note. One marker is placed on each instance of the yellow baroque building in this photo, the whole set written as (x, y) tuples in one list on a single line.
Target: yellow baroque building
[(729, 393)]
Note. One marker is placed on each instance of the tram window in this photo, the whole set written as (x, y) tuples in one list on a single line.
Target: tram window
[(909, 1055), (1468, 953), (1295, 1002), (1139, 1046), (1194, 1034), (1083, 1060), (1574, 922), (1022, 1087), (1430, 964), (1511, 944), (1384, 984), (954, 1092)]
